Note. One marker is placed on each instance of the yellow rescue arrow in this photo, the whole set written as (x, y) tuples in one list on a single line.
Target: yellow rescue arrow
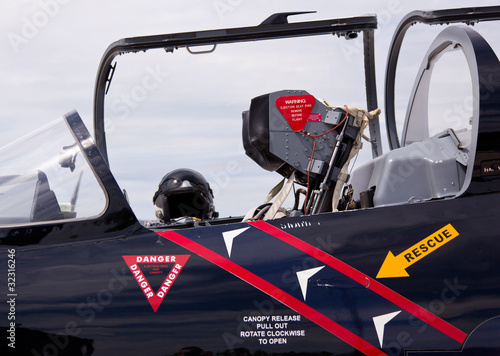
[(395, 266)]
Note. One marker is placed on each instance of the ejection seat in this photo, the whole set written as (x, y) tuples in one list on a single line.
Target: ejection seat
[(452, 162), (306, 141)]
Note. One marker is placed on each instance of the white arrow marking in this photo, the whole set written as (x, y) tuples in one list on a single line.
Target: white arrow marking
[(229, 237), (303, 277), (380, 322)]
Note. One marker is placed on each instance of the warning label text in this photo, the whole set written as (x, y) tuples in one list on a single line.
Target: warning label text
[(272, 329)]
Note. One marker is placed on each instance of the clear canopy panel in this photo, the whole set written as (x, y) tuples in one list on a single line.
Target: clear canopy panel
[(45, 177)]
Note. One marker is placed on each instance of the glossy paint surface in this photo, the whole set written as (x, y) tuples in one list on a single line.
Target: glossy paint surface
[(85, 291)]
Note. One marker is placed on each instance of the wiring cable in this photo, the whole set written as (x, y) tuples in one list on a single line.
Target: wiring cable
[(314, 148)]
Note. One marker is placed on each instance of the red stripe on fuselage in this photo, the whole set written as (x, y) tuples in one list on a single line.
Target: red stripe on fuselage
[(363, 279), (268, 288)]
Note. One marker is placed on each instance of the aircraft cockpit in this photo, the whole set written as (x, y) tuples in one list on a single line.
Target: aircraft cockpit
[(293, 132), (396, 255)]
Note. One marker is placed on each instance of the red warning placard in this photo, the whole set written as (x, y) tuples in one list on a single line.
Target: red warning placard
[(168, 265), (296, 109)]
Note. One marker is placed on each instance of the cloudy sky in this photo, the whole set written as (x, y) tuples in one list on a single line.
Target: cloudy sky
[(51, 49)]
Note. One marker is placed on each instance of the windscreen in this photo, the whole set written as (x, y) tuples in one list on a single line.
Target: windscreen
[(44, 177)]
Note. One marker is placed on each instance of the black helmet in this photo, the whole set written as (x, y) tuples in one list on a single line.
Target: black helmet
[(183, 193)]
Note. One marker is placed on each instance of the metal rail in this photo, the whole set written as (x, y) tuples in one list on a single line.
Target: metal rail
[(268, 30)]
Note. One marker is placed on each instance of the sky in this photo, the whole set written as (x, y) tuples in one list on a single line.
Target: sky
[(51, 49)]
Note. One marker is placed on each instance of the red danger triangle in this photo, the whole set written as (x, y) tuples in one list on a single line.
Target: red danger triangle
[(155, 299)]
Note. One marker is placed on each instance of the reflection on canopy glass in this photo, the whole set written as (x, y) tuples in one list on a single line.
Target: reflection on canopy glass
[(45, 177)]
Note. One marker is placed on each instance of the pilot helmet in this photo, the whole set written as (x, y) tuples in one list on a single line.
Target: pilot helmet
[(183, 193)]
